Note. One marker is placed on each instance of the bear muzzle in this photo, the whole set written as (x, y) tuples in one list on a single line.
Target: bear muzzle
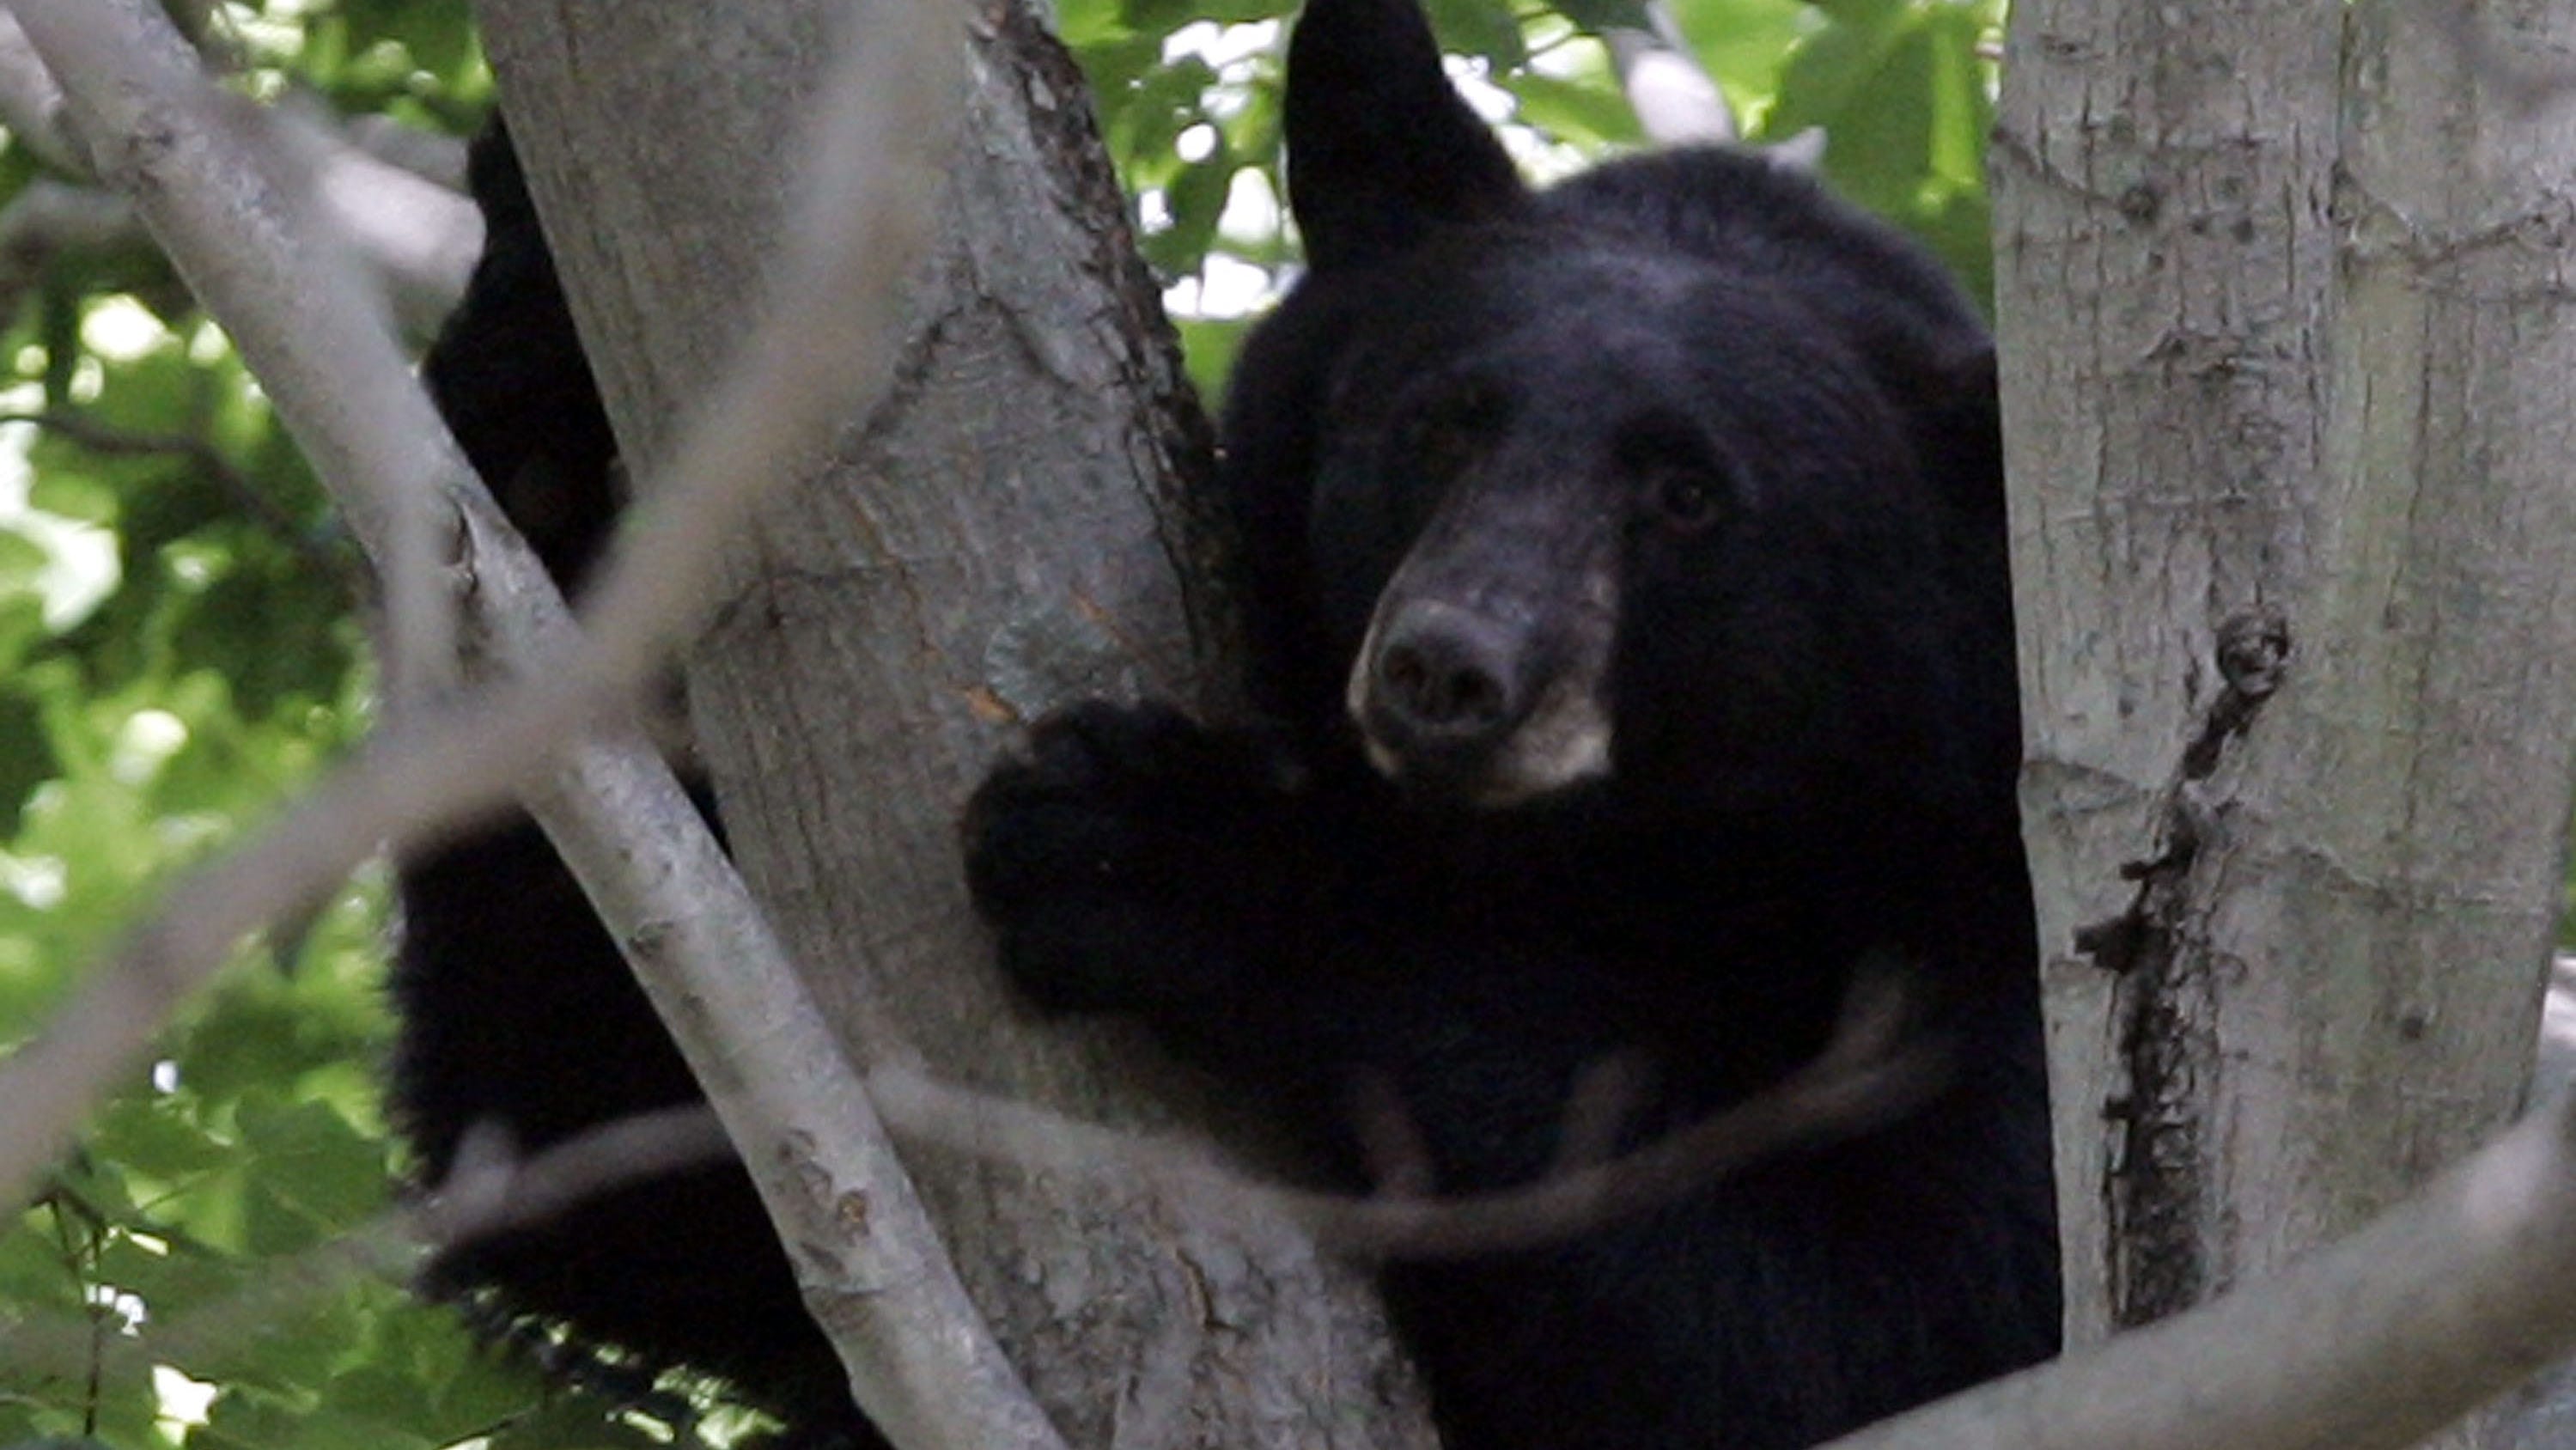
[(1470, 705)]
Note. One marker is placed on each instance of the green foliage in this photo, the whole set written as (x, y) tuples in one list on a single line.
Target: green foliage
[(1905, 101), (1900, 91), (178, 654)]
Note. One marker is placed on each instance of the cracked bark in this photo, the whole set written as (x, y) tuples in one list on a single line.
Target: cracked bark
[(1016, 527), (2288, 351)]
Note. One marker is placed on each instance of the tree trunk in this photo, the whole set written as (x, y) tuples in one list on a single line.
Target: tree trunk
[(1017, 527), (2289, 356)]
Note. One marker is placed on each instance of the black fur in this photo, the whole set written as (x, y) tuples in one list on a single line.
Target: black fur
[(1693, 407), (1810, 678), (516, 1010), (509, 376)]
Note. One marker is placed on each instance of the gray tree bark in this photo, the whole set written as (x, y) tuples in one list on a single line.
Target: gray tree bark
[(1015, 528), (2289, 373)]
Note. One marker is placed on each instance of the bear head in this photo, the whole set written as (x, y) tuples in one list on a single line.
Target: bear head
[(1671, 491)]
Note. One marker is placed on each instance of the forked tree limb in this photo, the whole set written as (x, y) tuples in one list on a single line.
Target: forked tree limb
[(192, 162), (2439, 1305)]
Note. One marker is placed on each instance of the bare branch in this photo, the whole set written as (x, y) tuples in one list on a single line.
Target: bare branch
[(1867, 1075), (200, 166), (207, 460), (1676, 100), (927, 1372), (418, 237), (492, 1191), (1604, 1095), (925, 1368), (392, 191), (2442, 1303), (30, 103), (49, 217), (429, 155)]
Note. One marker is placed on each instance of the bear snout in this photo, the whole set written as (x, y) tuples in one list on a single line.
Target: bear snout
[(1441, 686)]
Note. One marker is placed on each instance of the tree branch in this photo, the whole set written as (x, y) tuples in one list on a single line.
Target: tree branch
[(491, 1191), (30, 103), (419, 238), (927, 1373), (417, 235), (202, 455), (1676, 100), (1867, 1075), (2436, 1307), (49, 217), (201, 167)]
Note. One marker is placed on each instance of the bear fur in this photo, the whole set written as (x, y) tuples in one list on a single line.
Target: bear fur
[(1625, 585), (1628, 608), (516, 1011)]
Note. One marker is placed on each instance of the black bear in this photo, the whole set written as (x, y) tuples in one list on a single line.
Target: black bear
[(1628, 602), (516, 1010), (1628, 611)]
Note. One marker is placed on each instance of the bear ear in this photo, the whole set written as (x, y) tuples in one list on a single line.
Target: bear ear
[(1380, 148)]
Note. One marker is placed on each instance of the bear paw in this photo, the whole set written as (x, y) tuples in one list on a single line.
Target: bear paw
[(1122, 863)]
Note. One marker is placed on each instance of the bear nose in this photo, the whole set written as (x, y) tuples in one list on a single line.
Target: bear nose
[(1446, 681)]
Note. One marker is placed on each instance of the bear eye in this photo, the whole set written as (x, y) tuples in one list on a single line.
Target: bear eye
[(1447, 436), (1441, 446), (1686, 499)]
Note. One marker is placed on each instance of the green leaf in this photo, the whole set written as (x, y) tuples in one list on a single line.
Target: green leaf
[(1595, 16), (1880, 151), (1586, 115), (1485, 28), (1197, 200), (172, 1279), (244, 1421), (571, 1421), (1117, 63), (32, 1272), (22, 562), (377, 1395), (1147, 127), (1209, 346), (1865, 14), (154, 1135), (66, 486), (1082, 24), (309, 1158), (1835, 75)]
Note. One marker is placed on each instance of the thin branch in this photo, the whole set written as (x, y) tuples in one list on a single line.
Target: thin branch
[(1676, 100), (106, 438), (924, 1364), (418, 238), (1868, 1075), (2442, 1303), (416, 231), (31, 104), (208, 461), (433, 157), (47, 218), (926, 1369), (208, 31), (200, 166), (492, 1191)]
